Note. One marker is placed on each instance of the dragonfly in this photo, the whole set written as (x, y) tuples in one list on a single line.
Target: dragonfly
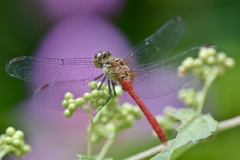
[(148, 70)]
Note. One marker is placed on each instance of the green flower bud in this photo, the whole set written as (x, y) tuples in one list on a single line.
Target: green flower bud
[(203, 54), (168, 111), (65, 103), (95, 93), (229, 63), (80, 101), (8, 140), (197, 62), (26, 148), (87, 96), (118, 90), (182, 94), (103, 85), (188, 63), (71, 100), (211, 60), (211, 51), (19, 134), (106, 89), (100, 102), (72, 107), (67, 113), (18, 153), (190, 101), (206, 72), (128, 121), (127, 107), (137, 113), (95, 138), (16, 143), (181, 71), (160, 119), (105, 94), (92, 85), (124, 112), (10, 131), (68, 95), (188, 96), (110, 128), (104, 120), (221, 57)]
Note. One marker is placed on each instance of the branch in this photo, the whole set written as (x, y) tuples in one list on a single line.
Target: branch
[(223, 125), (147, 153), (228, 124)]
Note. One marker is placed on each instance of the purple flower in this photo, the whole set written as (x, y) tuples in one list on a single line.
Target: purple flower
[(81, 31)]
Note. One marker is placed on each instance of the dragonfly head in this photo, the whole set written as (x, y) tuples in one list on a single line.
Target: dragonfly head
[(101, 58)]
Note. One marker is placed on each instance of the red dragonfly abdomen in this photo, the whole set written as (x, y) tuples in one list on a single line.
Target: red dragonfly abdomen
[(127, 86)]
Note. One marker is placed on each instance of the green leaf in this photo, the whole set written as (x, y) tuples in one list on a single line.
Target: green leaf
[(194, 127)]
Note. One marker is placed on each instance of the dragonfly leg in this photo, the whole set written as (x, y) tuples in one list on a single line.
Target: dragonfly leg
[(98, 77), (113, 86), (110, 93), (99, 87)]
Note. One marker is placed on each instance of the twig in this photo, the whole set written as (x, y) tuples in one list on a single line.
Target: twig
[(228, 124), (222, 126), (147, 153)]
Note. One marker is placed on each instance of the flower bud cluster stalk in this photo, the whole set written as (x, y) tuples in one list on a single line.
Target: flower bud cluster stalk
[(108, 121), (13, 142), (208, 66)]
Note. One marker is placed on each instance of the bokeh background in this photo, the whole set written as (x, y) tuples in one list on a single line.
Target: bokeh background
[(61, 28)]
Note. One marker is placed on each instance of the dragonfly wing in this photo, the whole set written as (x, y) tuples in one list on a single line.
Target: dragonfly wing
[(45, 70), (52, 94), (161, 78), (158, 45)]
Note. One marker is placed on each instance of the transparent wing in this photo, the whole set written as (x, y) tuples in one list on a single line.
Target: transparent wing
[(45, 70), (157, 46), (161, 78), (51, 95)]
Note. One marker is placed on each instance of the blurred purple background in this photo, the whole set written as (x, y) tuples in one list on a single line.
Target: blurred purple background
[(80, 29)]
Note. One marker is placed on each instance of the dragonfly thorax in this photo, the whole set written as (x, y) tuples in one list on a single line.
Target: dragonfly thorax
[(115, 69)]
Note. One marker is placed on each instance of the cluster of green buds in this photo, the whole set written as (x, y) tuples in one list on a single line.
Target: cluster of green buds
[(13, 142), (208, 66), (208, 62), (167, 122), (108, 119)]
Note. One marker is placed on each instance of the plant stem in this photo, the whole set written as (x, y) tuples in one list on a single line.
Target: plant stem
[(2, 154), (4, 151), (89, 149), (203, 93), (228, 124), (106, 146), (223, 125), (147, 153)]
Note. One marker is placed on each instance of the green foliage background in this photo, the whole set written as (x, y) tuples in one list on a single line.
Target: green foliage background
[(208, 21)]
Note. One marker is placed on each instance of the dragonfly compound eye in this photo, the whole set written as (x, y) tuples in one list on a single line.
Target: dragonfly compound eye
[(97, 58), (100, 58)]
